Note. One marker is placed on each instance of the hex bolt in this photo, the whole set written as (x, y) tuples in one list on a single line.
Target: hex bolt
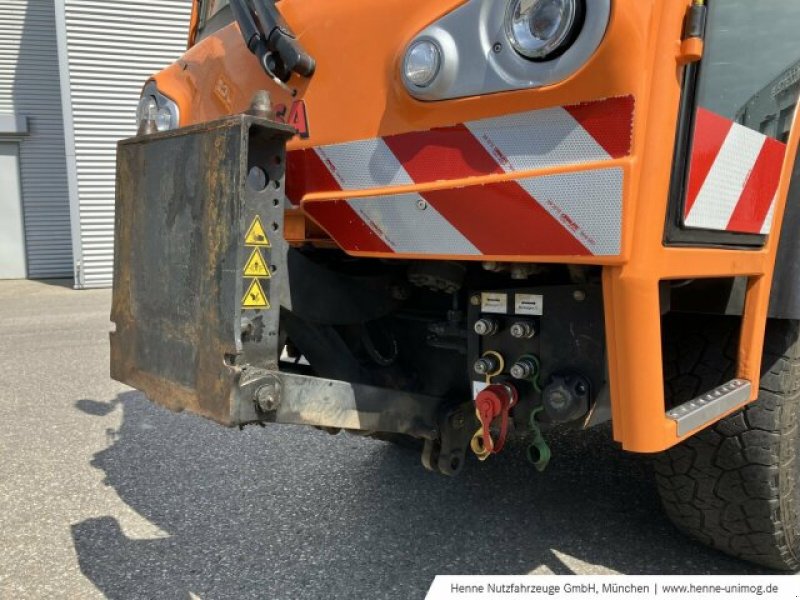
[(523, 330), (268, 396), (486, 326), (261, 105), (475, 300)]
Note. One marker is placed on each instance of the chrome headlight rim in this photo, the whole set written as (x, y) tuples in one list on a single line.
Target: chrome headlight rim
[(558, 43), (505, 70), (163, 104)]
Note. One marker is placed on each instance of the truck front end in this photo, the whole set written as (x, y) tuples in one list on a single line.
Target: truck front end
[(455, 222)]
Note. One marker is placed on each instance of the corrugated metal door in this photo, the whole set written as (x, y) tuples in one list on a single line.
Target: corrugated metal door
[(29, 86), (112, 46)]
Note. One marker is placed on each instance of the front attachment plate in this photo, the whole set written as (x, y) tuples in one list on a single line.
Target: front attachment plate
[(199, 260)]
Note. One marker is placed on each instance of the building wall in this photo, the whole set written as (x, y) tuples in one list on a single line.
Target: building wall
[(29, 87), (770, 111), (111, 48)]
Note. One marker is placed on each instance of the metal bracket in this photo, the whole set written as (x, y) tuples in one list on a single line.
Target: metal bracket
[(194, 284), (446, 455), (304, 400)]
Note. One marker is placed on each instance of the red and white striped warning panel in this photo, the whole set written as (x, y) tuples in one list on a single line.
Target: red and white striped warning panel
[(577, 134), (733, 176), (568, 214)]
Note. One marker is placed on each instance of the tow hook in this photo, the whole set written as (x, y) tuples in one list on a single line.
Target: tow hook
[(496, 401)]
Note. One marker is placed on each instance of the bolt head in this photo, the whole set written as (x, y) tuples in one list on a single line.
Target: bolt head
[(579, 295), (268, 396)]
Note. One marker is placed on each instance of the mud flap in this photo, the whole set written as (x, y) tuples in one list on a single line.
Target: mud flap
[(199, 261)]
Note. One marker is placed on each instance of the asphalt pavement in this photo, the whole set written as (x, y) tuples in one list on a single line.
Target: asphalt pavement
[(104, 495)]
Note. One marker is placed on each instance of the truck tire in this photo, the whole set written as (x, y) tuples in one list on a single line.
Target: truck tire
[(734, 485)]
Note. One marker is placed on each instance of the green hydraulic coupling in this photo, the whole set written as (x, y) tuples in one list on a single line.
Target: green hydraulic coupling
[(538, 451), (528, 368)]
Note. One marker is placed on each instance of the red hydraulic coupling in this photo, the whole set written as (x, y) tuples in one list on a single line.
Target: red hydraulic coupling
[(494, 401)]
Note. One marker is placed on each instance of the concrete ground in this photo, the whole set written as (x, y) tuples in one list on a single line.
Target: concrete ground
[(103, 494)]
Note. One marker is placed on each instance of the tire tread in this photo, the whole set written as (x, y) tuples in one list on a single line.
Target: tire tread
[(732, 486)]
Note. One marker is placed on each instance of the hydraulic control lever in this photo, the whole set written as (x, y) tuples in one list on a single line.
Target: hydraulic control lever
[(268, 37)]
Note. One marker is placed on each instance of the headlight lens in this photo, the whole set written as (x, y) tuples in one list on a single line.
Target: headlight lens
[(542, 29), (422, 63), (156, 107), (147, 109)]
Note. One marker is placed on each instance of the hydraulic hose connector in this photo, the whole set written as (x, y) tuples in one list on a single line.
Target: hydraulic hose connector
[(494, 402)]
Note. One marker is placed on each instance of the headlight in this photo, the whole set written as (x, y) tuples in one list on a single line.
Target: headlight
[(155, 107), (543, 29), (422, 62)]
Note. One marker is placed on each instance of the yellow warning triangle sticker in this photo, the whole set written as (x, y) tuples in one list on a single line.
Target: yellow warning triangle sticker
[(255, 296), (256, 236), (255, 266)]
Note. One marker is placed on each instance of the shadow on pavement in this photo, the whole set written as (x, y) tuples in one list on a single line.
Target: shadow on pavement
[(287, 512)]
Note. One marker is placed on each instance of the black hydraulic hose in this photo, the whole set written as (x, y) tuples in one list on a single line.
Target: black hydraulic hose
[(247, 25), (280, 40)]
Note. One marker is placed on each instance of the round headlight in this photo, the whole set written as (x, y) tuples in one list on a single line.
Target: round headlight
[(422, 62), (543, 29)]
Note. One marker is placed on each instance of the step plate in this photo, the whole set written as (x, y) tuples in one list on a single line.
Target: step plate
[(709, 407)]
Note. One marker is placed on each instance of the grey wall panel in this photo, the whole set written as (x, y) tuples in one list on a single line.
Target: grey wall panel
[(29, 86), (112, 47)]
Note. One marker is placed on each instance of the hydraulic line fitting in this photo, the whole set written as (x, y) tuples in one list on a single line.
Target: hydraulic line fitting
[(486, 326), (492, 403), (524, 368), (489, 365), (523, 330)]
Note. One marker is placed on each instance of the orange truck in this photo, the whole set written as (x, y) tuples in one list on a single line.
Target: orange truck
[(455, 223)]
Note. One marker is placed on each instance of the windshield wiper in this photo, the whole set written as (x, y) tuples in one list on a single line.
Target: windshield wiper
[(268, 37)]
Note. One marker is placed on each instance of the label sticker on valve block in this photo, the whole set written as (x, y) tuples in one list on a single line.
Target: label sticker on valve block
[(529, 304), (494, 303)]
